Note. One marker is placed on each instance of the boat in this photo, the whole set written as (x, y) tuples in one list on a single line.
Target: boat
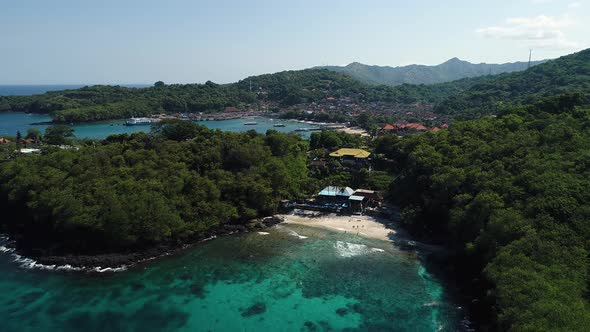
[(252, 123), (301, 129), (138, 121), (278, 125)]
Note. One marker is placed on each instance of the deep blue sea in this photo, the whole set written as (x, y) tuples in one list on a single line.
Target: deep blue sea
[(28, 90)]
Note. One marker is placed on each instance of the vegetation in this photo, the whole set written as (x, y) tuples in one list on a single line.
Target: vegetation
[(136, 190), (451, 70), (509, 195), (285, 88), (491, 95)]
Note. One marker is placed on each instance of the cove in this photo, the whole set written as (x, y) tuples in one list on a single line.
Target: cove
[(289, 278), (11, 122)]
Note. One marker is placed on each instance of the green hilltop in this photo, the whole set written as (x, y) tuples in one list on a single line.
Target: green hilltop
[(451, 70)]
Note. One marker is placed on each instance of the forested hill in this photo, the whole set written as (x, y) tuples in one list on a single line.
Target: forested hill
[(451, 70), (510, 195), (465, 98), (139, 190), (485, 96), (284, 89)]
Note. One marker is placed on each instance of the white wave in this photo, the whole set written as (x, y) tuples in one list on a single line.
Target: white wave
[(110, 269), (347, 249), (3, 249), (263, 233), (295, 234), (431, 304), (31, 264), (209, 238), (68, 267)]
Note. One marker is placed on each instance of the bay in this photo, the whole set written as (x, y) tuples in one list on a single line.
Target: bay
[(289, 278), (11, 122)]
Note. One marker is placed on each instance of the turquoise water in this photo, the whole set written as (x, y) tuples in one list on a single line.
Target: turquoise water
[(292, 279), (11, 122)]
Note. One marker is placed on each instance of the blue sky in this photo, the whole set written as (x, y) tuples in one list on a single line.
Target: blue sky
[(183, 41)]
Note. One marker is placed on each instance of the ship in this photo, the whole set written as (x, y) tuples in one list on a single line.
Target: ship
[(278, 125), (138, 122), (252, 123)]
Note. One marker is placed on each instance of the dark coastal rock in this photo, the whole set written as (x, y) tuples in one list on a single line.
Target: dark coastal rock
[(341, 311), (356, 307), (136, 286), (31, 297), (198, 290), (52, 256), (256, 309), (310, 326)]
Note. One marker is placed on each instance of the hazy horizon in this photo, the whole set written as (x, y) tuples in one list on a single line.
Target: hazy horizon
[(180, 41)]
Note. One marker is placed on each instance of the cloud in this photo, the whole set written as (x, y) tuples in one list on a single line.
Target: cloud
[(574, 5), (539, 31)]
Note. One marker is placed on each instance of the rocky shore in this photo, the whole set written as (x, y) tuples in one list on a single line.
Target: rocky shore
[(112, 261)]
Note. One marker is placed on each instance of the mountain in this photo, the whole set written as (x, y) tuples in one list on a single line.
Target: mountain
[(490, 95), (451, 70)]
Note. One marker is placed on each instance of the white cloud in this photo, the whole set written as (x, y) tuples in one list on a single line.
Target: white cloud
[(539, 31), (574, 5)]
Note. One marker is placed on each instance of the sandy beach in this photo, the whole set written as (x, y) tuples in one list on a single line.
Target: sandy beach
[(362, 225), (354, 131)]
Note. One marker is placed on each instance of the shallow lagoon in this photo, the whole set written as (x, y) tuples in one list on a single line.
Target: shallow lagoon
[(292, 279)]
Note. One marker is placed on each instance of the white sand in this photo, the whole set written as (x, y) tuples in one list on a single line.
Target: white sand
[(362, 225), (354, 131)]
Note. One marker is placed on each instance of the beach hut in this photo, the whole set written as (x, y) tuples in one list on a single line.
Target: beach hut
[(333, 195)]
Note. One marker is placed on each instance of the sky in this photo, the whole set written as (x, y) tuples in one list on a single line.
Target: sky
[(193, 41)]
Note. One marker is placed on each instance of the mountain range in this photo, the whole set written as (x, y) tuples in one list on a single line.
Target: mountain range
[(451, 70)]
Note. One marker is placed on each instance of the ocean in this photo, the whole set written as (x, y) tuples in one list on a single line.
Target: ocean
[(288, 278), (28, 90)]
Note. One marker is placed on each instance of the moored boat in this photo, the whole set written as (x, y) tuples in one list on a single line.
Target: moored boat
[(251, 123), (138, 121)]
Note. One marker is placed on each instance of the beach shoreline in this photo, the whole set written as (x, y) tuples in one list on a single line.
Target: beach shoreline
[(366, 226)]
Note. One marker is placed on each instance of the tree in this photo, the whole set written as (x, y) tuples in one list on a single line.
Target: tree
[(19, 136), (159, 84), (34, 134), (58, 135)]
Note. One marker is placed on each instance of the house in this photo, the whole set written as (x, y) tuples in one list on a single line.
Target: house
[(231, 109), (30, 151), (4, 140), (352, 157), (332, 195), (402, 128), (356, 203)]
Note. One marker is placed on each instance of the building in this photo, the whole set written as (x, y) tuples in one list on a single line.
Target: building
[(4, 140), (352, 157), (356, 203), (30, 151), (332, 195)]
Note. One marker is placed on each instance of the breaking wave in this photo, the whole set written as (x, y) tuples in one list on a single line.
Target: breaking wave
[(31, 264), (347, 249)]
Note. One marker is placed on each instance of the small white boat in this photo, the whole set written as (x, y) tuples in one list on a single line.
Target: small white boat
[(251, 123), (138, 121), (278, 125)]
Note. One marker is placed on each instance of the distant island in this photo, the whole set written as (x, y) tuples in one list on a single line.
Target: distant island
[(451, 70)]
